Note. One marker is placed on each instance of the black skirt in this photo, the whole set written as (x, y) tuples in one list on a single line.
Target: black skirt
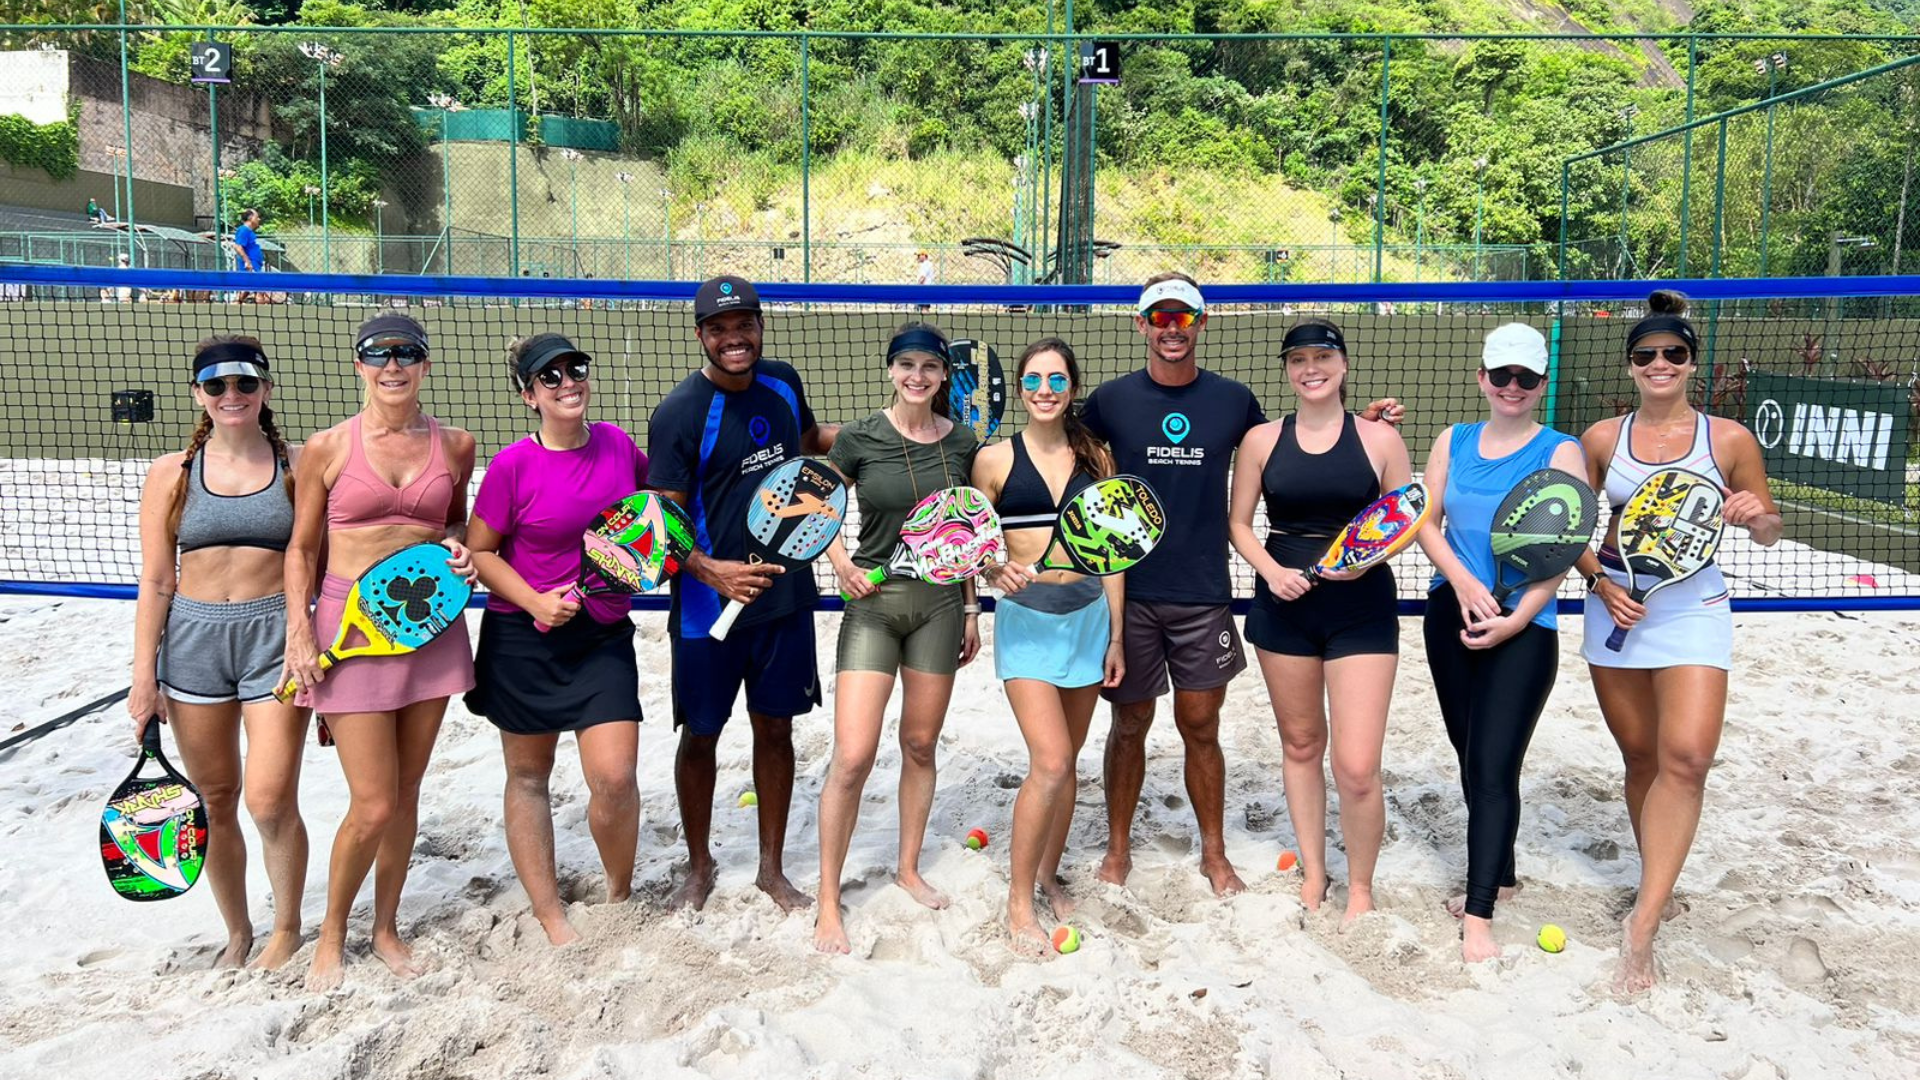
[(575, 676)]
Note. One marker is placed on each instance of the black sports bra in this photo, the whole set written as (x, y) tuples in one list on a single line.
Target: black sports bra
[(1025, 501)]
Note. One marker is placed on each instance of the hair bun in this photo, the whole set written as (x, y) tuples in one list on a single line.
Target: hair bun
[(1667, 302)]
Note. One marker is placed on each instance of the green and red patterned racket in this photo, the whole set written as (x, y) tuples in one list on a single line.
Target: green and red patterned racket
[(1108, 527), (1670, 530), (634, 546), (1384, 529), (948, 537), (153, 830)]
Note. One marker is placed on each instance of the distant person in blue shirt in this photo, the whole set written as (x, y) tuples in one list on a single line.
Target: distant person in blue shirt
[(246, 247)]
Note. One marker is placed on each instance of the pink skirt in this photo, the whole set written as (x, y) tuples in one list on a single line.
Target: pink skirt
[(376, 684)]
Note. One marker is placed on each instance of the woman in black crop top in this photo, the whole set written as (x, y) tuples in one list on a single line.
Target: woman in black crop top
[(1334, 648), (210, 633), (1056, 639)]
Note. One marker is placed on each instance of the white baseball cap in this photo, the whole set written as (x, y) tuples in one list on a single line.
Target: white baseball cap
[(1515, 345), (1171, 289)]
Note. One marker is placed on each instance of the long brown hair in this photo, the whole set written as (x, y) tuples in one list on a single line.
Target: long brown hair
[(1089, 455), (203, 430)]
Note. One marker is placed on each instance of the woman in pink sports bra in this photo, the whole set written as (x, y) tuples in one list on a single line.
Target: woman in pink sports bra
[(385, 478)]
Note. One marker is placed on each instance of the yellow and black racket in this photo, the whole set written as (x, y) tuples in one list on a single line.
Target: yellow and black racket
[(402, 602)]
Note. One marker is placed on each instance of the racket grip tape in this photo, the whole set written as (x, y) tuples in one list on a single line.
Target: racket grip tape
[(286, 690), (874, 576), (574, 593), (1618, 639), (718, 631)]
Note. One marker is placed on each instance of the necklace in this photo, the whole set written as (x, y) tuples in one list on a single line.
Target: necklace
[(1662, 436), (906, 454)]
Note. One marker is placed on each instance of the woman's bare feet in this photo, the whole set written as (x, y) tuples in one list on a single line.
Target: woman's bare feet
[(1029, 941), (235, 954), (559, 930), (1314, 889), (1058, 898), (329, 965), (279, 949), (397, 954), (923, 894), (1457, 904), (1637, 972), (1359, 902), (1476, 939), (829, 935)]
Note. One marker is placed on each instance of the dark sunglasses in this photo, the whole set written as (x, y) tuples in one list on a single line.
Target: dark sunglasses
[(1503, 377), (1180, 319), (549, 376), (404, 355), (1672, 354), (1056, 382), (246, 384)]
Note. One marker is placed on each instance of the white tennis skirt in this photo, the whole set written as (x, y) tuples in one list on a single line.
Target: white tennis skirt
[(1688, 623)]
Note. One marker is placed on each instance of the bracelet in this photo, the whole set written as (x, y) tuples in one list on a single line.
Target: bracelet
[(970, 609)]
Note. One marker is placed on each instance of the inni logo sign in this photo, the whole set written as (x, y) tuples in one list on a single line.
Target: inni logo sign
[(1857, 437), (1176, 427)]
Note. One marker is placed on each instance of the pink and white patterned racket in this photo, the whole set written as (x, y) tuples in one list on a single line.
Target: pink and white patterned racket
[(948, 537)]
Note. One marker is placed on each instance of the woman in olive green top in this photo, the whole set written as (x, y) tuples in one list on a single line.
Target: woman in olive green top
[(894, 458)]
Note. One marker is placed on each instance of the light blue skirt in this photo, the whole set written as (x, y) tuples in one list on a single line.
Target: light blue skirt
[(1054, 633)]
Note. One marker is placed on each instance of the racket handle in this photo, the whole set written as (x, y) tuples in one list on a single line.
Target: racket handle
[(286, 690), (573, 593), (1617, 639), (874, 576), (718, 631)]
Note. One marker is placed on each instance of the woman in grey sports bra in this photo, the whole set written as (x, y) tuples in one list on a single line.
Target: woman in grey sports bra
[(210, 634)]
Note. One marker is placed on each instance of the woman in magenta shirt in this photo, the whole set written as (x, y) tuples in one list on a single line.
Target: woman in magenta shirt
[(538, 496)]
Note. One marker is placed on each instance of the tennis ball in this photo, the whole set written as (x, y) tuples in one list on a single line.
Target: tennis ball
[(1288, 860), (977, 839), (748, 798), (1066, 940), (1552, 938)]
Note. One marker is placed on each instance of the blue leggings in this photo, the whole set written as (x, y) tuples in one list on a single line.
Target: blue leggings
[(1491, 699)]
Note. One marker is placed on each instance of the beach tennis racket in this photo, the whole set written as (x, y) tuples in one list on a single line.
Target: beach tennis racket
[(402, 602), (797, 511), (633, 546), (976, 386), (1378, 533), (153, 830), (948, 537), (1107, 528), (1540, 529), (1669, 531)]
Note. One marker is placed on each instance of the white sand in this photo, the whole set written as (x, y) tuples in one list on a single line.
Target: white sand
[(1800, 957)]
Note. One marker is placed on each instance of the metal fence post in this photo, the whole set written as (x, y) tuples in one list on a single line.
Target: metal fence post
[(513, 162), (1719, 200), (1686, 155), (1566, 176), (126, 117), (806, 168), (1380, 189)]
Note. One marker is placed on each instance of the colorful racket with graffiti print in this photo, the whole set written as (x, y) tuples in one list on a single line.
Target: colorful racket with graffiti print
[(634, 546), (1670, 530), (976, 386), (153, 830), (948, 537), (797, 511), (399, 604), (1384, 529), (1106, 528), (1540, 529)]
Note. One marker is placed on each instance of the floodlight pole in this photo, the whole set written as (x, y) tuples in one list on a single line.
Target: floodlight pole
[(126, 117), (445, 103), (1774, 64)]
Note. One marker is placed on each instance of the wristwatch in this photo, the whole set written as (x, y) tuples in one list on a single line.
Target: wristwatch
[(1594, 579)]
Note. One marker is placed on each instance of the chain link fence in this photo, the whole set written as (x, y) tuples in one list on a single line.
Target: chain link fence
[(862, 157)]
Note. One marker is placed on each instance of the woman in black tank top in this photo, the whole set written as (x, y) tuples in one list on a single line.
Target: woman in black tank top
[(1056, 635), (1315, 470)]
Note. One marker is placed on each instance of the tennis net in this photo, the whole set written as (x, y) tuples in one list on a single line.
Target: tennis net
[(1826, 371)]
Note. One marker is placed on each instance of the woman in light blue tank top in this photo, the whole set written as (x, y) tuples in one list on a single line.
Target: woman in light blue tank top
[(1665, 695), (1492, 669)]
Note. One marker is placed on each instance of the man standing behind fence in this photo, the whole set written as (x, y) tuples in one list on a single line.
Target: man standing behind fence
[(246, 248)]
